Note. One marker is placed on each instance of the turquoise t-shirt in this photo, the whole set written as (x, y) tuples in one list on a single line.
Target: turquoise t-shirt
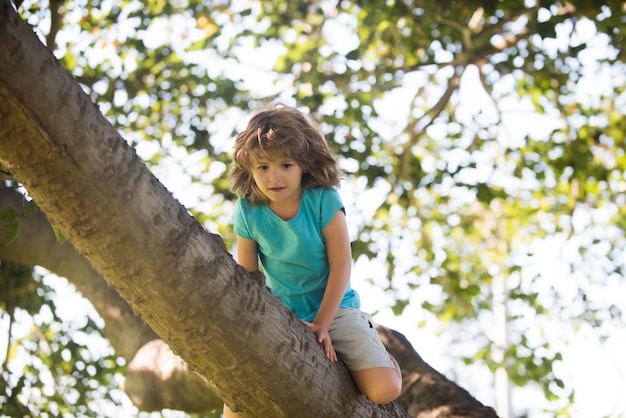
[(293, 252)]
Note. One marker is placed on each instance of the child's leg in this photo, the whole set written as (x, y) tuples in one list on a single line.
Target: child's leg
[(375, 372), (228, 413), (380, 384)]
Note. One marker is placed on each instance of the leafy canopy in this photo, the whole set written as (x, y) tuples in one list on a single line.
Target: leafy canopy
[(474, 135)]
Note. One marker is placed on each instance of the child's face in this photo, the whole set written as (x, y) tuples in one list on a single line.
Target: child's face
[(278, 177)]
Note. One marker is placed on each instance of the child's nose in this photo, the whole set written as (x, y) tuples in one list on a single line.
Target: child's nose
[(274, 174)]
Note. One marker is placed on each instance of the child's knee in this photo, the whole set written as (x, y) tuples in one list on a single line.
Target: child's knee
[(381, 384), (228, 413), (384, 393)]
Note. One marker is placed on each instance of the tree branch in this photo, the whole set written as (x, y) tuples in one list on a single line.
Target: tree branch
[(156, 378), (179, 278)]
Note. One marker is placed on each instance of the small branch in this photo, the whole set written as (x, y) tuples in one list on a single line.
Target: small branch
[(56, 18)]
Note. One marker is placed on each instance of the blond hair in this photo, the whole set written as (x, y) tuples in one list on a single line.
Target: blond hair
[(285, 131)]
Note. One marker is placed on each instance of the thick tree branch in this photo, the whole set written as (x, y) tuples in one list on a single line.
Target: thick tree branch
[(426, 393), (178, 277), (157, 378), (37, 245)]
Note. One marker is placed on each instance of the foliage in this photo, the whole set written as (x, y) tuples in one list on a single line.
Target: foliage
[(488, 128), (10, 218), (467, 200), (50, 367)]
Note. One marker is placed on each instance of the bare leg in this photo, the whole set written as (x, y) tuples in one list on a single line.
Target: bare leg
[(228, 413), (380, 384)]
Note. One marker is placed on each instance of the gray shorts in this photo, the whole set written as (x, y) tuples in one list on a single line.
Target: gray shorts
[(356, 341)]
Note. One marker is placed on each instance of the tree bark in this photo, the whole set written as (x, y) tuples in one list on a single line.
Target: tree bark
[(37, 245), (179, 278), (156, 378)]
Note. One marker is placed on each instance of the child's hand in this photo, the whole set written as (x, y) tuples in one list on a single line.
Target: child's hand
[(323, 338)]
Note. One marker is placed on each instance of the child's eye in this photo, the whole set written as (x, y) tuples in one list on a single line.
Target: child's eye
[(262, 167), (287, 165)]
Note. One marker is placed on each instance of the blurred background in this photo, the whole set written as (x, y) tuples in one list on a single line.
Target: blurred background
[(484, 153)]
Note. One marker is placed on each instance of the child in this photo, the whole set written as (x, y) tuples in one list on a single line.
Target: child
[(290, 217)]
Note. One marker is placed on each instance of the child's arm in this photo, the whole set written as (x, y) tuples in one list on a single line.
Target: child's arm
[(247, 254), (340, 260)]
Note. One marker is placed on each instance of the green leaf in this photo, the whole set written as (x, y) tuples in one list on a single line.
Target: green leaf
[(58, 234), (9, 214), (399, 307), (11, 231)]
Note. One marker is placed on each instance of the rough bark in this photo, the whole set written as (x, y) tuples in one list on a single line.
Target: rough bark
[(37, 245), (157, 379), (180, 279)]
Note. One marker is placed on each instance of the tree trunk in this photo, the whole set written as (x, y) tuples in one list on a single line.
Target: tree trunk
[(157, 379), (179, 278), (37, 245)]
